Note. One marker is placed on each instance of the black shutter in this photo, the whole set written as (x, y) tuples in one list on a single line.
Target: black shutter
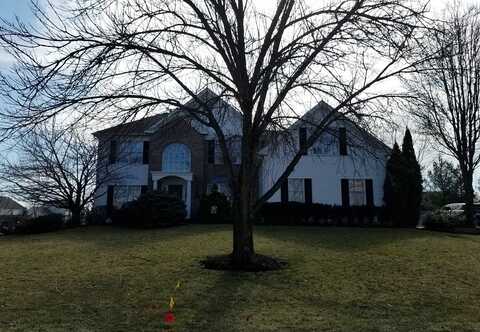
[(302, 138), (144, 189), (284, 191), (345, 193), (112, 158), (343, 141), (308, 190), (369, 190), (211, 151), (146, 152), (109, 200)]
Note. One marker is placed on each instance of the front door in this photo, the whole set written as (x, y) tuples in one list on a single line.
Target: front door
[(176, 190)]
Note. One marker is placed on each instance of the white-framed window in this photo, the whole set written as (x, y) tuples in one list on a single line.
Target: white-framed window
[(221, 187), (130, 152), (357, 192), (218, 153), (296, 190), (325, 145), (234, 146), (176, 157), (124, 194)]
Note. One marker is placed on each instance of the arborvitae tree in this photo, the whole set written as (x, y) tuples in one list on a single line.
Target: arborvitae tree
[(412, 182), (394, 197)]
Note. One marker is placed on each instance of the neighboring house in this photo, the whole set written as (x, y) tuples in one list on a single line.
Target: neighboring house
[(43, 210), (175, 153), (10, 212), (9, 207)]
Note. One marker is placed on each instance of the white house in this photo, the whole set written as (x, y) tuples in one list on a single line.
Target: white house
[(346, 165), (175, 153), (9, 207)]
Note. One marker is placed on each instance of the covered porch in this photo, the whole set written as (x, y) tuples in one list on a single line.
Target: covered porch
[(175, 183)]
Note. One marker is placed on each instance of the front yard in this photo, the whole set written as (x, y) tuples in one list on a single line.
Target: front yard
[(338, 279)]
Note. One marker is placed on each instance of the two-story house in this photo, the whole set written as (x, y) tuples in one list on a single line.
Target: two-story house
[(169, 152), (175, 153)]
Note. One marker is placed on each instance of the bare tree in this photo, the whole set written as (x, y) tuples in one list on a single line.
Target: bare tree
[(127, 58), (53, 168), (446, 91), (445, 178)]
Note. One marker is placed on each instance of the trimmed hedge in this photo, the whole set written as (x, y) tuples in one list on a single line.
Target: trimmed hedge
[(152, 209), (43, 224), (294, 213)]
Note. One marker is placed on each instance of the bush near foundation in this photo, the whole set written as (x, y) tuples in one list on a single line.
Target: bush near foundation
[(152, 209)]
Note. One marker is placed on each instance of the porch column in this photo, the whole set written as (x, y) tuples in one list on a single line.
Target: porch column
[(188, 201)]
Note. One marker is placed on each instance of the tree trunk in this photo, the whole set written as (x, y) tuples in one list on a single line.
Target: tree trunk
[(76, 216), (469, 195), (243, 248)]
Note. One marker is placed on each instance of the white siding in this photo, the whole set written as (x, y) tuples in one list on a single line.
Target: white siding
[(124, 175), (326, 173)]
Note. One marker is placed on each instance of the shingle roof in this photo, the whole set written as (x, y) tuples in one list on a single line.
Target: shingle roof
[(6, 203), (136, 127)]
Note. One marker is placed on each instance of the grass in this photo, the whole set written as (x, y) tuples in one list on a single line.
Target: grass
[(338, 279)]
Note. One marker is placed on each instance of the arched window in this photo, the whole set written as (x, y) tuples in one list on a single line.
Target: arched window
[(176, 158)]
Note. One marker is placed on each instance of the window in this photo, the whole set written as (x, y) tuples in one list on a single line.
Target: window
[(302, 138), (214, 150), (112, 156), (296, 190), (221, 187), (130, 152), (176, 158), (124, 194), (211, 151), (218, 153), (235, 148), (325, 145), (357, 192)]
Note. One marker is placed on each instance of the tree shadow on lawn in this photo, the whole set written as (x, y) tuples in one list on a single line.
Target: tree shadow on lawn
[(346, 238), (116, 236), (271, 301), (227, 304)]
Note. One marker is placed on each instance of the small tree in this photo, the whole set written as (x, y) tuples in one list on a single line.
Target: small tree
[(411, 182), (446, 179), (53, 168)]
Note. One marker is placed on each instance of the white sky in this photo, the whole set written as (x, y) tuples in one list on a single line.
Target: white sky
[(9, 9)]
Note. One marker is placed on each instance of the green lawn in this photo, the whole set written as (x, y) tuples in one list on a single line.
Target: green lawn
[(338, 279)]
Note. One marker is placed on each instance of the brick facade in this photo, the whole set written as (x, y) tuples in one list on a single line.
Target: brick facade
[(180, 131)]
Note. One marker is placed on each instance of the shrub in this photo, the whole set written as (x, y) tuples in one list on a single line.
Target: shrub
[(441, 221), (8, 224), (96, 216), (294, 213), (215, 208), (152, 209), (42, 224)]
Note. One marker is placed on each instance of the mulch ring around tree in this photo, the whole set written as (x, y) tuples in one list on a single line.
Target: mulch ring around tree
[(259, 263)]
